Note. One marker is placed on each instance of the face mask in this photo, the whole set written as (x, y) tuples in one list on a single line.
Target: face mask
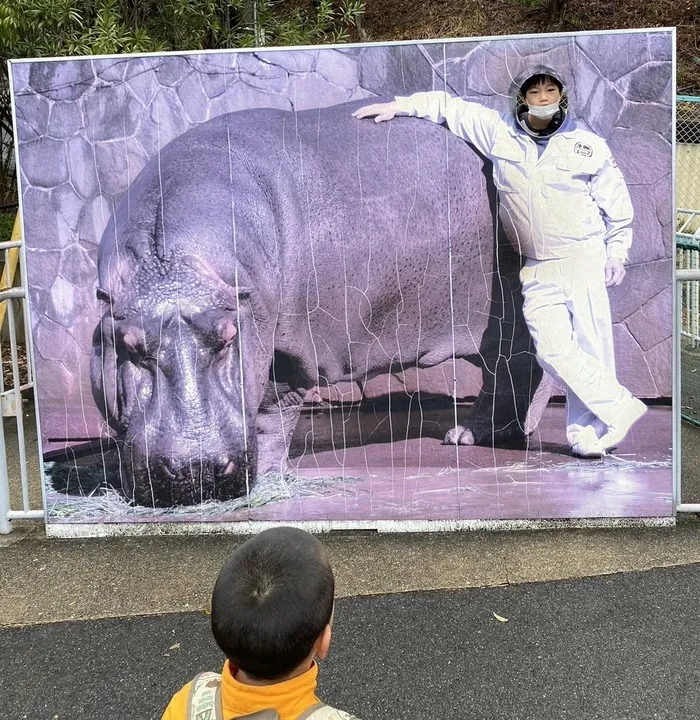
[(543, 112)]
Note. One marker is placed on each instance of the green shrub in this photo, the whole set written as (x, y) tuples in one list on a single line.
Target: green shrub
[(7, 222), (43, 28)]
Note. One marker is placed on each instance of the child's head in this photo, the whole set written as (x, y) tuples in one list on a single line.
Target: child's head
[(542, 89), (273, 602), (540, 103)]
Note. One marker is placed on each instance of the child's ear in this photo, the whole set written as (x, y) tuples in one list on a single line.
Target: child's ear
[(324, 642)]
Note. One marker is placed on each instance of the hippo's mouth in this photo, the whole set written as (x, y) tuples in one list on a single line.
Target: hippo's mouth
[(193, 484)]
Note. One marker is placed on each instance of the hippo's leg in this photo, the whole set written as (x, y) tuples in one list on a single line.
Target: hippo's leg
[(514, 391), (277, 419), (504, 411)]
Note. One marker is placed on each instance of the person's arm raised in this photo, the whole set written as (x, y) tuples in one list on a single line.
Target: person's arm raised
[(470, 121)]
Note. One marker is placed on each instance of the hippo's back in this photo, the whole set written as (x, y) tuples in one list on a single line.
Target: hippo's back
[(366, 233), (380, 231)]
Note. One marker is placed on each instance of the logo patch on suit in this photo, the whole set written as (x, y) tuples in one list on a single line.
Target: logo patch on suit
[(583, 149)]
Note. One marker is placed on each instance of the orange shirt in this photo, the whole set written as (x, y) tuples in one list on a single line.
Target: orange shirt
[(290, 698)]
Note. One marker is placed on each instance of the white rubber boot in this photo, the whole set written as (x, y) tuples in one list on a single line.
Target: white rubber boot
[(585, 443), (629, 413)]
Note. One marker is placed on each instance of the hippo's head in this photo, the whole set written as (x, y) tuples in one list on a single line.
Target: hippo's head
[(168, 376)]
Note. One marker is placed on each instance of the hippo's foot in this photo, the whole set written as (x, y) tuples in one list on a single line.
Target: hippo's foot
[(272, 464), (511, 439), (272, 450), (459, 436), (275, 424)]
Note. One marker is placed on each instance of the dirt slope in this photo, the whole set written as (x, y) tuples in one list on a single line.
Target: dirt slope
[(415, 20)]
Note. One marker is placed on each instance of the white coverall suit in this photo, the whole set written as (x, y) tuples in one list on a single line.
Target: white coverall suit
[(567, 210)]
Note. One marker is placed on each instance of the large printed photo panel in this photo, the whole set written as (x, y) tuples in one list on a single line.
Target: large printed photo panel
[(420, 281)]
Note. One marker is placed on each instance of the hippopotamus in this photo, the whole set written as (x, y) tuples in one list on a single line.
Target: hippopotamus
[(265, 252)]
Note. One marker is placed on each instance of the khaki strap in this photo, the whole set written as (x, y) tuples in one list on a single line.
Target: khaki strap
[(309, 712), (204, 702)]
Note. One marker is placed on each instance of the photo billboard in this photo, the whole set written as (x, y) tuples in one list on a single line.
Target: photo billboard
[(252, 301)]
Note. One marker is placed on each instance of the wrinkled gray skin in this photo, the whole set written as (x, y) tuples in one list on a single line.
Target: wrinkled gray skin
[(292, 250)]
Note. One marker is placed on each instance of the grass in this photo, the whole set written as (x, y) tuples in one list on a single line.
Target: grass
[(77, 492), (584, 468), (7, 222)]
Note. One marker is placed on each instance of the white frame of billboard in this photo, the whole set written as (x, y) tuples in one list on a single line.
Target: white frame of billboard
[(104, 529)]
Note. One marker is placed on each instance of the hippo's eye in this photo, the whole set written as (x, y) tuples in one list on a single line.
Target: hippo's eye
[(147, 361)]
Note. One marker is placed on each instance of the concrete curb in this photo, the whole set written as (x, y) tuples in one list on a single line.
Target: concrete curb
[(51, 580)]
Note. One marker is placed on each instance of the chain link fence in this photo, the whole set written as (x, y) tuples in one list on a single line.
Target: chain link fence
[(688, 248)]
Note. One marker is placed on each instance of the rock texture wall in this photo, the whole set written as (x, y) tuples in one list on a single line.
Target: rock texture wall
[(87, 127)]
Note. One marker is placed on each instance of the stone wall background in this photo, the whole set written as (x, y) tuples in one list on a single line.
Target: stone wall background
[(87, 127)]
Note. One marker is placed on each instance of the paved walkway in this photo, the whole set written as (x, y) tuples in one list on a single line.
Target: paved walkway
[(623, 646), (51, 580)]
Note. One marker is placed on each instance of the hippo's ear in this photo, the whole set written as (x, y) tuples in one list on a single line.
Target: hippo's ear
[(103, 295), (103, 371)]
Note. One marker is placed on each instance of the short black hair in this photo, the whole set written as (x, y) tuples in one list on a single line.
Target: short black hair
[(272, 601), (538, 79)]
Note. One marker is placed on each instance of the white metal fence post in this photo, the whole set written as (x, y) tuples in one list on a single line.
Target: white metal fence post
[(5, 524), (686, 317), (11, 404)]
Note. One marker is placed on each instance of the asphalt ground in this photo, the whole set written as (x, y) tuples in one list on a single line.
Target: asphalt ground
[(621, 646)]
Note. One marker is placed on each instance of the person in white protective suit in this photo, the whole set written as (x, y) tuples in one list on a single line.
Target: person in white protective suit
[(564, 204)]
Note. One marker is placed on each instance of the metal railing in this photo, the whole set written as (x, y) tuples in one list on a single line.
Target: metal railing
[(688, 258), (11, 398), (684, 277), (687, 297)]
